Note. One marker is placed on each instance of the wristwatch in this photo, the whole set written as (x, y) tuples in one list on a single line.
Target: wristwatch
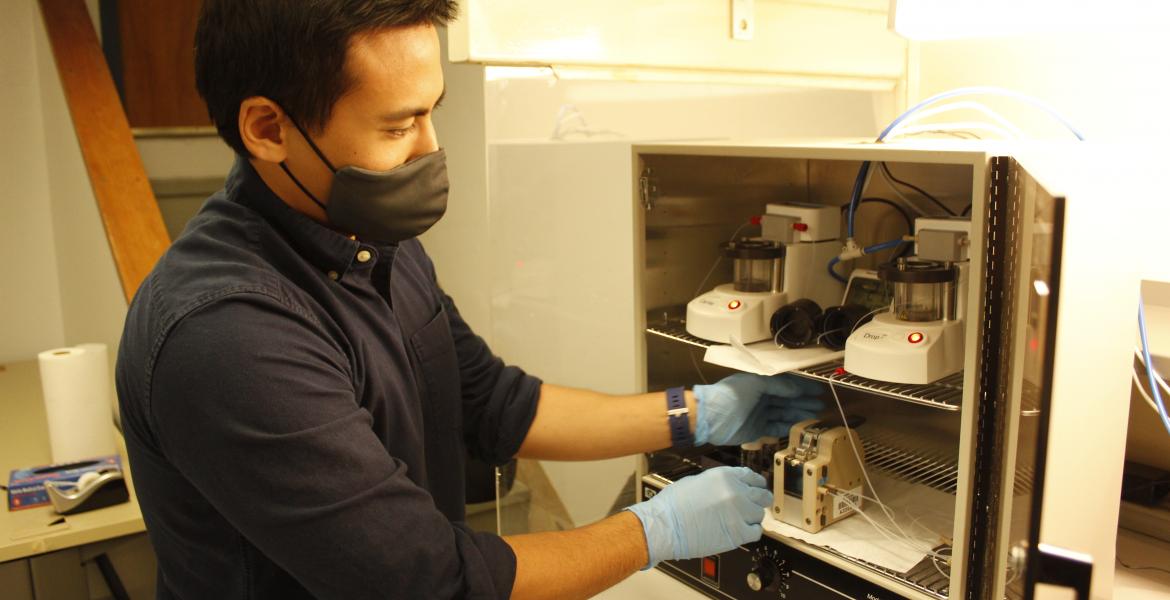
[(680, 422)]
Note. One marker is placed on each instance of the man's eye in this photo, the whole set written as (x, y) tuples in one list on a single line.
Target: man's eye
[(402, 132)]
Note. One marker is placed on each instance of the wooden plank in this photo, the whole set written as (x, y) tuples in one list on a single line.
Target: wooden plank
[(158, 63), (129, 211)]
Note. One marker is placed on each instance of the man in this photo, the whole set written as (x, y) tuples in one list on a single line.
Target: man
[(296, 389)]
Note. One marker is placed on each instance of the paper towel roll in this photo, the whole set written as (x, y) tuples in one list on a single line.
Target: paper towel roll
[(76, 386), (111, 397)]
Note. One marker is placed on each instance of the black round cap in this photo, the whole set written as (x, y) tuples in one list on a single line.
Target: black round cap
[(753, 249), (918, 271)]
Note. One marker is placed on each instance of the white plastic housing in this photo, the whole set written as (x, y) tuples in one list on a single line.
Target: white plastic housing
[(814, 222), (887, 349), (723, 312), (806, 275)]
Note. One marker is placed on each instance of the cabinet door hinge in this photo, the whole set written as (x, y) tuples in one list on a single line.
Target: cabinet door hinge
[(648, 187)]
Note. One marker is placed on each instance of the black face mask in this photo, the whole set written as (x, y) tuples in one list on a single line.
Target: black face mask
[(384, 206)]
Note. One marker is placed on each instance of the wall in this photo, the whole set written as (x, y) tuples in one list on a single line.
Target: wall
[(457, 243), (58, 285), (30, 296)]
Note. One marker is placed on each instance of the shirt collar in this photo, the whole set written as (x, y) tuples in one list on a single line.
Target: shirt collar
[(328, 250)]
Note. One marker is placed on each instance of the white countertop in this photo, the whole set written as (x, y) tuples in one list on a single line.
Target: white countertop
[(1141, 551), (650, 585)]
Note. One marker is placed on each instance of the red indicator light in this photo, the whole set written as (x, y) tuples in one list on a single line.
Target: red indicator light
[(800, 226), (710, 568), (915, 337), (756, 220), (734, 304)]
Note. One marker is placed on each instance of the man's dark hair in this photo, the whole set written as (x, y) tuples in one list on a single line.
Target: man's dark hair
[(290, 51)]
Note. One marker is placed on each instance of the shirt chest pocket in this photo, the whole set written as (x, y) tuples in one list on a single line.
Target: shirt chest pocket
[(437, 371)]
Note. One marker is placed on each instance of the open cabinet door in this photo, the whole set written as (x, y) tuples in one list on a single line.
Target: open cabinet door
[(1025, 236), (1041, 564)]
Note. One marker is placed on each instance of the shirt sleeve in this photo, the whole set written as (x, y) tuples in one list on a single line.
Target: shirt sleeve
[(499, 401), (255, 405)]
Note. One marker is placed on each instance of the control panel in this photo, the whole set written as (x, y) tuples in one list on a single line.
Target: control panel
[(767, 569)]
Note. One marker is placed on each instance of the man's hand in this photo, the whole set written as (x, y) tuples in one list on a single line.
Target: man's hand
[(744, 407), (712, 512)]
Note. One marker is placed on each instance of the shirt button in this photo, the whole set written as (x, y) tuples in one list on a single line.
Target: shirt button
[(333, 275), (364, 256)]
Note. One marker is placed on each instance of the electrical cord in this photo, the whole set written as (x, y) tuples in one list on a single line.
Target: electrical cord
[(833, 272), (719, 259), (885, 532), (962, 134), (857, 453), (1142, 391), (697, 368), (924, 193), (898, 207), (903, 197), (855, 196), (964, 126), (1132, 567)]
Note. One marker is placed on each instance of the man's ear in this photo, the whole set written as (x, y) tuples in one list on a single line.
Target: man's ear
[(263, 129)]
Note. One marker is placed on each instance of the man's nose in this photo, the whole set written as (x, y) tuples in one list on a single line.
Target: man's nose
[(427, 140)]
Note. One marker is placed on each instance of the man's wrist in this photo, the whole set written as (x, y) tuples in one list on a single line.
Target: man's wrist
[(638, 531), (693, 413), (679, 419)]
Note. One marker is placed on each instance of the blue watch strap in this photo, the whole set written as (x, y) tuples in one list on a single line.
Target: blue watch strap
[(680, 423)]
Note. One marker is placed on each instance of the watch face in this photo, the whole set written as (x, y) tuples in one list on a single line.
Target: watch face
[(870, 293)]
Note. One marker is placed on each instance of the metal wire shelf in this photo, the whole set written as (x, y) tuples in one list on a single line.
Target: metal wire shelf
[(930, 577), (938, 472), (927, 576), (678, 333), (945, 394)]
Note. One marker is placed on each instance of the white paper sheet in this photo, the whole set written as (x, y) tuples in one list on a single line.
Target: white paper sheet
[(766, 358), (925, 514)]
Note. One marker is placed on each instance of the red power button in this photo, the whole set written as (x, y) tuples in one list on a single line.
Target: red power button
[(711, 568), (915, 337), (734, 304)]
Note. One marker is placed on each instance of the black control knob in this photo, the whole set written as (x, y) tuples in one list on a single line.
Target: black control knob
[(763, 576)]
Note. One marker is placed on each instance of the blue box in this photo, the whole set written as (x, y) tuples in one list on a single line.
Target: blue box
[(26, 487)]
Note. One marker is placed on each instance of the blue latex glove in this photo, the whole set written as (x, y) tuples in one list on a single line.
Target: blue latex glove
[(745, 407), (712, 512)]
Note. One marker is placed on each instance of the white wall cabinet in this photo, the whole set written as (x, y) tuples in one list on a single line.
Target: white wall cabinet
[(818, 43)]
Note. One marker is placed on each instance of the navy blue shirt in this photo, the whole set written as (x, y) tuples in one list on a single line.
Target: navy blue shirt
[(297, 406)]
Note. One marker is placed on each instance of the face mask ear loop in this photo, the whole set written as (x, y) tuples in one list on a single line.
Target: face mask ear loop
[(312, 144), (284, 166)]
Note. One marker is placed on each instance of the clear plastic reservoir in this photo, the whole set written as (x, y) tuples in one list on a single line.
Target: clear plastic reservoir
[(757, 275)]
